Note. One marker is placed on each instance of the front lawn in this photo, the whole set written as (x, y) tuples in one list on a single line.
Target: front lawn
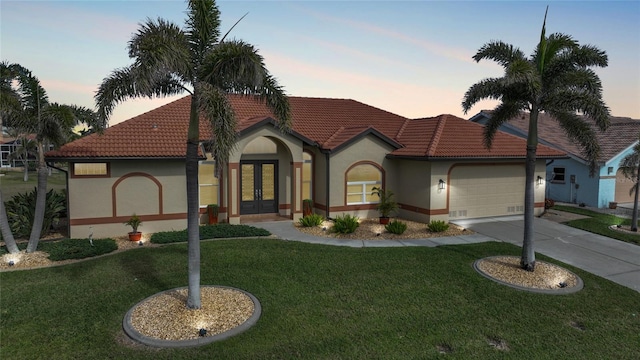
[(13, 184), (599, 223), (321, 302)]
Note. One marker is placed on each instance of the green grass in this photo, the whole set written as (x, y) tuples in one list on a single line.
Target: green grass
[(321, 302), (599, 223), (12, 183)]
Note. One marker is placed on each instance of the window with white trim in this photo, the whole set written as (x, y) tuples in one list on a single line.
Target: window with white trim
[(91, 169), (208, 182), (558, 175), (307, 166), (361, 179)]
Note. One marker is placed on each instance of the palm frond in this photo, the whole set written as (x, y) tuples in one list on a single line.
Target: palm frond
[(273, 95), (491, 88), (581, 133), (589, 55), (500, 52), (160, 46), (203, 27), (234, 66), (501, 114), (215, 107), (131, 82)]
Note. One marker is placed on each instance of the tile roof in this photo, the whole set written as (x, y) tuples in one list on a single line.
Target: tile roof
[(448, 136), (622, 133), (327, 123)]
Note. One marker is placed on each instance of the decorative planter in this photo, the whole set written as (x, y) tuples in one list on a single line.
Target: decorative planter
[(613, 205), (384, 220), (307, 207), (212, 212), (135, 236)]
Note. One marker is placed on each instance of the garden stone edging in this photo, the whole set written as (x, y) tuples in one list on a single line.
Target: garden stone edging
[(155, 342), (560, 291)]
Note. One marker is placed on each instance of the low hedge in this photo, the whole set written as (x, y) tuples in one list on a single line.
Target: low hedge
[(209, 232)]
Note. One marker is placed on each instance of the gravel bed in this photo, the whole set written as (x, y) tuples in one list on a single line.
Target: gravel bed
[(166, 316), (546, 276)]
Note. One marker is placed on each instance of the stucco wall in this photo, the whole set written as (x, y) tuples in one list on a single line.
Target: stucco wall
[(369, 148), (152, 189), (587, 188)]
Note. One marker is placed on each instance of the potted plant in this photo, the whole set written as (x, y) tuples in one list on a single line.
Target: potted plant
[(134, 222), (307, 207), (613, 204), (212, 211), (386, 205)]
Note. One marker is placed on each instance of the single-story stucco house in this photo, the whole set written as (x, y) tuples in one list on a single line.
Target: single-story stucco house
[(568, 178), (336, 152)]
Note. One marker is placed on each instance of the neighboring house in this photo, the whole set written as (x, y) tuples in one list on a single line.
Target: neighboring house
[(568, 179), (8, 146), (336, 152)]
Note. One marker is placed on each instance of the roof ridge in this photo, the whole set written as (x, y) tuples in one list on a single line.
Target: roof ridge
[(435, 139), (402, 128), (333, 136)]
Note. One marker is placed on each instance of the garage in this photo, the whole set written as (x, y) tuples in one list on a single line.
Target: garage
[(623, 185), (486, 190)]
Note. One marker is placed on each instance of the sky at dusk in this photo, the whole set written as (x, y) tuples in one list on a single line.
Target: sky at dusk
[(412, 58)]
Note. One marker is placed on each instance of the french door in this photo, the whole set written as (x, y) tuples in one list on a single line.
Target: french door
[(259, 187)]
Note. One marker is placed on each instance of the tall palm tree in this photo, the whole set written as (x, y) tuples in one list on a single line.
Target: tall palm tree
[(9, 102), (50, 122), (557, 79), (169, 60), (630, 166)]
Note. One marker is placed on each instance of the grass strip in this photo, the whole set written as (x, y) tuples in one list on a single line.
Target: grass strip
[(599, 223)]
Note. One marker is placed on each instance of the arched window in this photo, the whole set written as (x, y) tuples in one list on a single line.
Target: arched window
[(307, 176), (360, 180)]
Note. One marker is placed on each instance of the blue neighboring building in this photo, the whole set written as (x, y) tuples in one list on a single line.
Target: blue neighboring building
[(568, 179)]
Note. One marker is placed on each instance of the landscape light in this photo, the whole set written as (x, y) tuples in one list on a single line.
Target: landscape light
[(540, 180), (140, 243), (202, 332), (11, 263)]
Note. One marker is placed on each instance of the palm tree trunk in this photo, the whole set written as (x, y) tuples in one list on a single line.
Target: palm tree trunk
[(528, 258), (193, 206), (41, 201), (7, 235), (634, 217)]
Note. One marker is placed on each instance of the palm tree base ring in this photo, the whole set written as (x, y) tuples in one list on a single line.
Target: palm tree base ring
[(163, 320), (546, 279)]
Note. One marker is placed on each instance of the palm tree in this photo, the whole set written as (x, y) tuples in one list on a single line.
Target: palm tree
[(557, 79), (50, 122), (169, 60), (630, 166)]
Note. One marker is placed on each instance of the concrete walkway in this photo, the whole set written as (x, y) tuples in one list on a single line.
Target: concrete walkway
[(611, 259)]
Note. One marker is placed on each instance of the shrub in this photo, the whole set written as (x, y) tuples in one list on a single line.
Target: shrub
[(396, 227), (209, 232), (438, 226), (549, 203), (311, 220), (345, 224), (77, 248), (21, 209)]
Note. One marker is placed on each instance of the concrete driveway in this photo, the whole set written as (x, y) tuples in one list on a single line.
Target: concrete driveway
[(611, 259)]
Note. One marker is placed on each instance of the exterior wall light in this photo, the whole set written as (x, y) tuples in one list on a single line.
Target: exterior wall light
[(441, 184), (540, 180)]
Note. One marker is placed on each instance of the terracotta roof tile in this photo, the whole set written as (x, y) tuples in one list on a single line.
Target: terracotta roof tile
[(448, 136), (331, 123)]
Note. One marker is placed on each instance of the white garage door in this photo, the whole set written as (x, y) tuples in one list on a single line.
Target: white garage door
[(482, 191)]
